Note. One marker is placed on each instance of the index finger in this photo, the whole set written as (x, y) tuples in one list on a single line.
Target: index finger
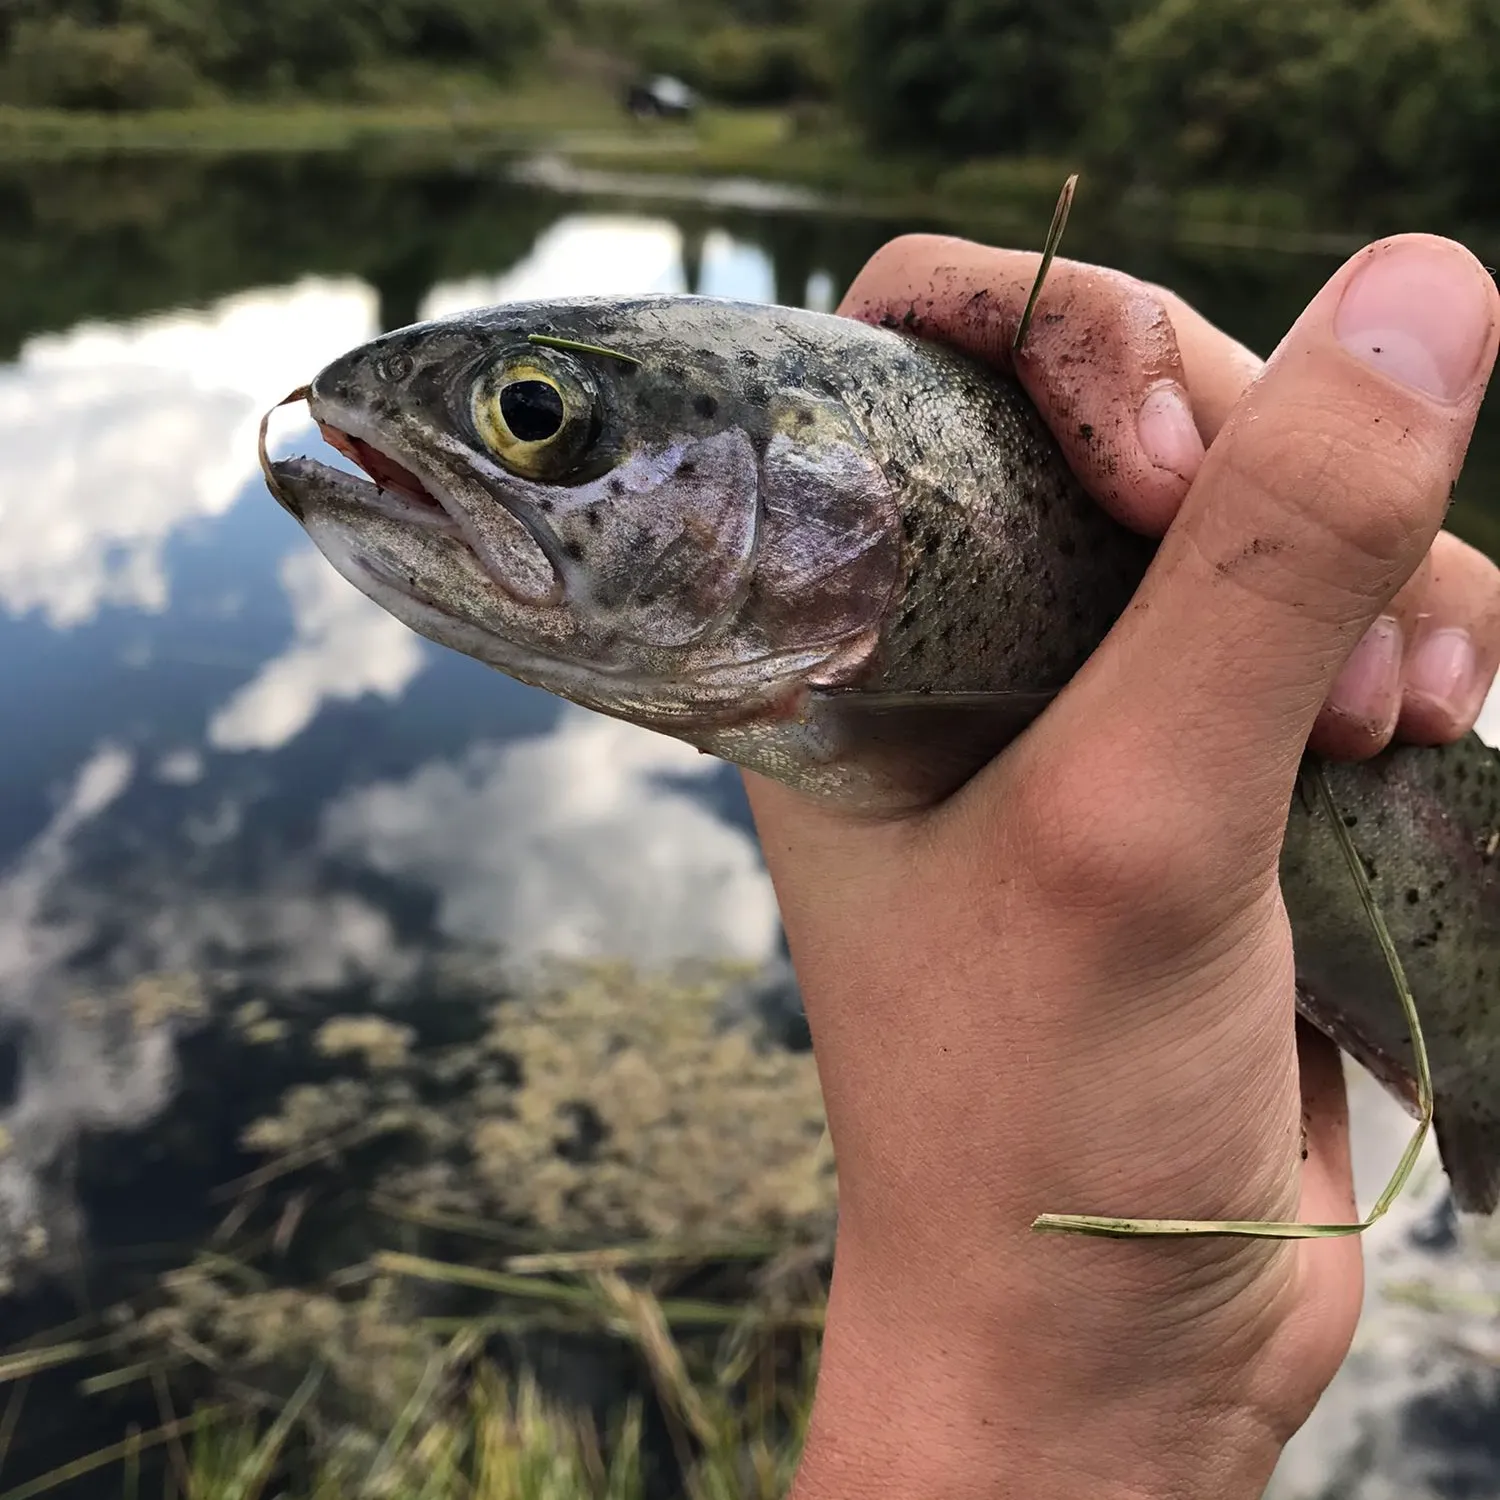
[(1101, 359), (1218, 368), (1129, 378)]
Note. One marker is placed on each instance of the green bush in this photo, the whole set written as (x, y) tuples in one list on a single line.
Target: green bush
[(742, 64), (64, 64), (975, 77), (472, 30), (761, 65), (1348, 102)]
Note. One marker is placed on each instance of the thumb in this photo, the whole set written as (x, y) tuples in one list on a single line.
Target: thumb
[(1315, 503)]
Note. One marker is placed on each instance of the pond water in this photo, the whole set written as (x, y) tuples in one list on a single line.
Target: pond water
[(219, 761)]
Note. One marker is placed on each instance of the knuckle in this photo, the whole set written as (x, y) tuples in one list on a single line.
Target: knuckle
[(890, 268), (1370, 487), (1099, 304), (1456, 566)]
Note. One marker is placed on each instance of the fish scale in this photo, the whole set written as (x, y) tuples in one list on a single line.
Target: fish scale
[(900, 574)]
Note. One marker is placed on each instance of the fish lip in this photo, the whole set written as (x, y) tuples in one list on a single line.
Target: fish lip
[(356, 489), (283, 476), (350, 423)]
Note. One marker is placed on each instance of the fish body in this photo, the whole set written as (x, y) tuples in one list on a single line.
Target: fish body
[(858, 564)]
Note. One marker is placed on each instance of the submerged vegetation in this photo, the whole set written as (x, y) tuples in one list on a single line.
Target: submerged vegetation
[(566, 1236)]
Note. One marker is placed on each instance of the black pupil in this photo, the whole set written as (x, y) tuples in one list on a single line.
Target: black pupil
[(532, 409)]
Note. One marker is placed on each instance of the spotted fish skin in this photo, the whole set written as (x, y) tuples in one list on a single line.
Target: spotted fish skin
[(859, 564)]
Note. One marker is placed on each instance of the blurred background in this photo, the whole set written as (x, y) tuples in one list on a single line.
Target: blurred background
[(379, 1036)]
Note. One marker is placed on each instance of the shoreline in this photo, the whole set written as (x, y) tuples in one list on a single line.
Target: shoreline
[(570, 138)]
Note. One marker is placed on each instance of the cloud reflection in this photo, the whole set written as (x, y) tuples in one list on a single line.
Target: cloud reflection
[(345, 646), (116, 435), (583, 255), (570, 844), (612, 255), (75, 1074)]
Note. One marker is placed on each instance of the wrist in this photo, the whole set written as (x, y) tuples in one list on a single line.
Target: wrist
[(994, 1407)]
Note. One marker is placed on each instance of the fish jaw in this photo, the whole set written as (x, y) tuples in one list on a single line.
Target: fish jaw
[(718, 558)]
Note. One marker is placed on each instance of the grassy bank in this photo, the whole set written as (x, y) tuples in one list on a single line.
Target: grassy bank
[(452, 118), (580, 128), (582, 125)]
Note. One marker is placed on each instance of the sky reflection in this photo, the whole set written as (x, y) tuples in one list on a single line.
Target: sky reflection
[(223, 762)]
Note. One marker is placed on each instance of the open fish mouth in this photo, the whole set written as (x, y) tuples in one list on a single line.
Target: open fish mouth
[(384, 484), (385, 471)]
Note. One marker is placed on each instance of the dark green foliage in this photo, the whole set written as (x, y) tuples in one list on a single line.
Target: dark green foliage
[(1352, 104), (1353, 100), (63, 63), (740, 64), (1350, 100), (137, 54), (975, 77)]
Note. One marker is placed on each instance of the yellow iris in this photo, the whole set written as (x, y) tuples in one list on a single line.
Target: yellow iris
[(535, 416)]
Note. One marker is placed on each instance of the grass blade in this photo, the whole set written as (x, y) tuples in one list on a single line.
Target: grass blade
[(678, 1310), (33, 1361), (169, 1433), (1049, 251), (1113, 1228)]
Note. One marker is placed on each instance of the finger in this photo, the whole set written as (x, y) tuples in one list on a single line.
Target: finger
[(1218, 369), (1100, 359), (1359, 716), (1423, 681), (1421, 671), (1454, 645), (1314, 506)]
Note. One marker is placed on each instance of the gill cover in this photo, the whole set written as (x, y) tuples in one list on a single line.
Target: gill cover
[(683, 533)]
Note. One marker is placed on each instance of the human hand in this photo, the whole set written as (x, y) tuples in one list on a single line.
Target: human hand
[(1134, 383), (1070, 987)]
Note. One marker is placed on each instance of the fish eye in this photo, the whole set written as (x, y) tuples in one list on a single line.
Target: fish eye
[(536, 416), (533, 410)]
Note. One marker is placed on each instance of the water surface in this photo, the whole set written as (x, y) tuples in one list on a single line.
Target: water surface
[(221, 762)]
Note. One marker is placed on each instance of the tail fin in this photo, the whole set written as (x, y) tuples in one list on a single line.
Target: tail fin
[(1470, 1149)]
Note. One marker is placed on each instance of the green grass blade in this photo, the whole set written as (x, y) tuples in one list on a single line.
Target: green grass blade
[(575, 346), (1113, 1228), (33, 1361), (678, 1310), (251, 1478), (624, 1257), (1049, 251), (103, 1457)]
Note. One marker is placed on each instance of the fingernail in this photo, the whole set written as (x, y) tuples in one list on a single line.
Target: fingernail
[(1369, 687), (1443, 669), (1168, 433), (1418, 314)]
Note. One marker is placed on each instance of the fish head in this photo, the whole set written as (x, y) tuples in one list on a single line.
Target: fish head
[(662, 509)]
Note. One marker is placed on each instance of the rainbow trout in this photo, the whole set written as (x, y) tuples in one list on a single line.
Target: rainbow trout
[(858, 564)]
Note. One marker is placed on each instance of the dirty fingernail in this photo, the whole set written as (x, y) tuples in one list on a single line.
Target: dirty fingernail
[(1419, 314), (1369, 686), (1443, 669), (1169, 435)]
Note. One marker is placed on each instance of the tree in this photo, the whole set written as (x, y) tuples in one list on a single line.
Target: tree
[(975, 77), (65, 63), (1347, 100)]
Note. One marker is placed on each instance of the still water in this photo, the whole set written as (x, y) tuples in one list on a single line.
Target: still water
[(221, 762)]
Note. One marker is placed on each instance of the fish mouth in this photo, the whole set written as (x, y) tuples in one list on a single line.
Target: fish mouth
[(396, 483), (385, 483), (386, 472)]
